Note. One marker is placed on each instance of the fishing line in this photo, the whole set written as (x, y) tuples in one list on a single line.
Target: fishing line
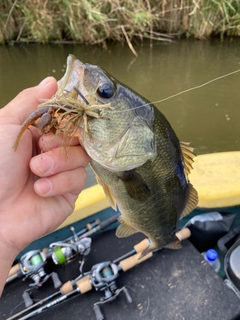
[(182, 92)]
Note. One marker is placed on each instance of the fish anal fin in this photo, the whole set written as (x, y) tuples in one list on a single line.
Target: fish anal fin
[(148, 251), (175, 245), (134, 185), (188, 156), (145, 252), (191, 202), (125, 230), (108, 193)]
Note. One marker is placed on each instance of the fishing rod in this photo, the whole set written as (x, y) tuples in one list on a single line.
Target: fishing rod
[(32, 264), (102, 277)]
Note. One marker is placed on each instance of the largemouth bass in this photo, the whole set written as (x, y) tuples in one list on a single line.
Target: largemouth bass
[(135, 154)]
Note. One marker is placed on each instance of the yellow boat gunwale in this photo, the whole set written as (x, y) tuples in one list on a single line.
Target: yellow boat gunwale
[(89, 202), (215, 176)]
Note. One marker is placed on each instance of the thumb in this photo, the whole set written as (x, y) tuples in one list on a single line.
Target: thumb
[(28, 100)]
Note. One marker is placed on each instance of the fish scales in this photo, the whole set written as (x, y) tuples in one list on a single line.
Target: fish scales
[(135, 154), (158, 213)]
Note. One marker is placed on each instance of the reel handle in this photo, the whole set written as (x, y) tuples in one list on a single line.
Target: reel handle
[(27, 299), (98, 312), (127, 295), (56, 281)]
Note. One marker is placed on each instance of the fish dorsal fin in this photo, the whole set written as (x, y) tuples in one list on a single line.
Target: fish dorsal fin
[(134, 185), (188, 156), (108, 193), (125, 230), (191, 202)]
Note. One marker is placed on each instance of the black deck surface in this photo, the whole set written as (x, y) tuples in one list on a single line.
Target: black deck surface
[(172, 285)]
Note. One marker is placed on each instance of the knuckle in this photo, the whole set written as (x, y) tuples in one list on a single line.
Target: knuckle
[(76, 179)]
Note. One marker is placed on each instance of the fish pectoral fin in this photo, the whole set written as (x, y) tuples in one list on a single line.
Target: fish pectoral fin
[(134, 185), (188, 156), (176, 244), (191, 202), (108, 193), (125, 230)]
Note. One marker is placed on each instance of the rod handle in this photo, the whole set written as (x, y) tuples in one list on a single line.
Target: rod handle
[(84, 284), (66, 287), (14, 270), (93, 224), (109, 221), (141, 246), (134, 260), (183, 234)]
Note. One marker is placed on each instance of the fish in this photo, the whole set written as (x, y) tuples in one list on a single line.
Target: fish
[(135, 154)]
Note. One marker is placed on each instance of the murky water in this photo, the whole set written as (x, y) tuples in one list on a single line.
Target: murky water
[(209, 117)]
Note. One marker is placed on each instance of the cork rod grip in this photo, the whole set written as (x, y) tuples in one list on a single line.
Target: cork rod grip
[(183, 234), (84, 284), (134, 260), (66, 287), (14, 270), (141, 246)]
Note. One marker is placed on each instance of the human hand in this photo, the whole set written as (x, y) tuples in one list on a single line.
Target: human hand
[(37, 190)]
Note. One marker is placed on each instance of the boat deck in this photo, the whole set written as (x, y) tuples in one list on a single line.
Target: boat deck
[(172, 285)]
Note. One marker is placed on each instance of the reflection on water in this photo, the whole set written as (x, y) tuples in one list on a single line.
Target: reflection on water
[(208, 117)]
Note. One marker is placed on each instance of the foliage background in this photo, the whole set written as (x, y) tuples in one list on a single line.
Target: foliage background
[(98, 21)]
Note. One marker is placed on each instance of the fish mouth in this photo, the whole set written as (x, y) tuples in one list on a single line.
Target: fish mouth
[(72, 80)]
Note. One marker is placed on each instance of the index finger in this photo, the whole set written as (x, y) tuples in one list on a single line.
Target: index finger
[(28, 100), (51, 141)]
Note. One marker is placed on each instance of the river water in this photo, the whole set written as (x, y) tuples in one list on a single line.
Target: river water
[(208, 117)]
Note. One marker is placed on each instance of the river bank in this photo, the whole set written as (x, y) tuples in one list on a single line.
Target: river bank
[(96, 22)]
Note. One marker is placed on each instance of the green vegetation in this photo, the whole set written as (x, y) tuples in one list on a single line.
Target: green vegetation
[(97, 21)]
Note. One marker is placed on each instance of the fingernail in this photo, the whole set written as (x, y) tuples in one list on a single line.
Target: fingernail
[(44, 163), (43, 186), (45, 81)]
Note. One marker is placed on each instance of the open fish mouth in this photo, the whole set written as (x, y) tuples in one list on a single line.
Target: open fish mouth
[(69, 85)]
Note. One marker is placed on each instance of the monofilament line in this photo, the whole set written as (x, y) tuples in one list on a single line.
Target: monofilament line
[(197, 87), (184, 91)]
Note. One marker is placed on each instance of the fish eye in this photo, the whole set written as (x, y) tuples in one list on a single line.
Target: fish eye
[(106, 90)]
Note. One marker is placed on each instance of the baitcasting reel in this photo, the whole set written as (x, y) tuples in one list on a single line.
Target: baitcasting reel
[(63, 252), (103, 276), (33, 262), (32, 266)]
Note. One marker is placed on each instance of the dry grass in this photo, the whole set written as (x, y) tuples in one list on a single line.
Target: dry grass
[(98, 21)]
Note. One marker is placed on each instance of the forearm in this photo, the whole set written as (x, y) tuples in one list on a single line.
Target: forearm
[(7, 257)]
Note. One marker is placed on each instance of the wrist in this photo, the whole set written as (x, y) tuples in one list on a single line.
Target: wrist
[(7, 256)]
